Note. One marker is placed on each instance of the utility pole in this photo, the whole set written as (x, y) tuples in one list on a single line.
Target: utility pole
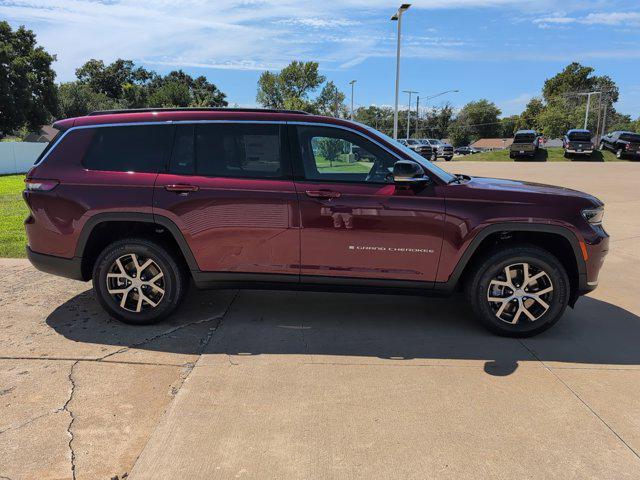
[(417, 115), (409, 110), (352, 83), (586, 114), (398, 17)]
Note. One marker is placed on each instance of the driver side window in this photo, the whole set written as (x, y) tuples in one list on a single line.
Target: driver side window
[(333, 154)]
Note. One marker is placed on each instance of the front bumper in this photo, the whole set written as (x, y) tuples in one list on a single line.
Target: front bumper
[(63, 267)]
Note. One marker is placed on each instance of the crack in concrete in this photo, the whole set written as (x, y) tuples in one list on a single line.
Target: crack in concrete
[(116, 362), (575, 394), (168, 332), (66, 408)]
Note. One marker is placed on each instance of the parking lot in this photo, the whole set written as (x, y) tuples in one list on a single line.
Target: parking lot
[(302, 385)]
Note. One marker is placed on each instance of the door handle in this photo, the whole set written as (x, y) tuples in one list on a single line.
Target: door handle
[(322, 194), (181, 188)]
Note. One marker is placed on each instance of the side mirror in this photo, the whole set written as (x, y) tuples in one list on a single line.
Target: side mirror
[(408, 173)]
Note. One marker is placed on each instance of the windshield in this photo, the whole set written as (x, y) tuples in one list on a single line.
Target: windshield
[(580, 136), (437, 142), (630, 137), (524, 138), (413, 142), (443, 175)]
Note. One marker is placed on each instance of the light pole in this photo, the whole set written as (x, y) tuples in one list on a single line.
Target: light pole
[(352, 83), (409, 110), (398, 18)]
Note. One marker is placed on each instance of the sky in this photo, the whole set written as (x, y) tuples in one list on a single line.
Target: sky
[(502, 50)]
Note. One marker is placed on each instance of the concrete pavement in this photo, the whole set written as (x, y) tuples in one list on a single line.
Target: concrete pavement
[(261, 384)]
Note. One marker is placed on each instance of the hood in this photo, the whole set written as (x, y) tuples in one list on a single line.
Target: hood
[(519, 186)]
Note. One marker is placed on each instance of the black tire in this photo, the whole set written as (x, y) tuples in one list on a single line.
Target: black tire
[(174, 281), (491, 267)]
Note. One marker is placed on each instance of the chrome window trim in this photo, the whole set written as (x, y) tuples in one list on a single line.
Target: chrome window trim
[(272, 122)]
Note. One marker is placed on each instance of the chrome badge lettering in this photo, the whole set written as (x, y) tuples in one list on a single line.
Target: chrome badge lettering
[(373, 248)]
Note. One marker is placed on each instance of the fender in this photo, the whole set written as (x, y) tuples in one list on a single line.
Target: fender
[(159, 220), (565, 232)]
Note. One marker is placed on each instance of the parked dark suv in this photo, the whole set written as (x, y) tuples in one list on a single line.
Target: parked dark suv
[(143, 202), (623, 144)]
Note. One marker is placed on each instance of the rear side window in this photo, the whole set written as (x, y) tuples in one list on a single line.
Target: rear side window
[(238, 150), (630, 137), (139, 148)]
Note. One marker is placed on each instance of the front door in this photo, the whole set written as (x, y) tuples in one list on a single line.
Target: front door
[(354, 221), (229, 190)]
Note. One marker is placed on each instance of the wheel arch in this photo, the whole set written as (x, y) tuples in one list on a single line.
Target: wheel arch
[(558, 240), (103, 228)]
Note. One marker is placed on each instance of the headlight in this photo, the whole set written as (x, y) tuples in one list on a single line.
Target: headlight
[(593, 215)]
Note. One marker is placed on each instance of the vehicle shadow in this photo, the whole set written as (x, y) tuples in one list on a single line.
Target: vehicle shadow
[(348, 325), (596, 156), (541, 156)]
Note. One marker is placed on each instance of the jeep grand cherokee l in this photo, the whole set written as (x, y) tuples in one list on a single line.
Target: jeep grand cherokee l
[(577, 142), (525, 144), (623, 144), (144, 202)]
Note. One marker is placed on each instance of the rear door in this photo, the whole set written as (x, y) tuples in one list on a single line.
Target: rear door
[(354, 221), (229, 189)]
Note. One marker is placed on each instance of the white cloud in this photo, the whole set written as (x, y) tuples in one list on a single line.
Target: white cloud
[(608, 18)]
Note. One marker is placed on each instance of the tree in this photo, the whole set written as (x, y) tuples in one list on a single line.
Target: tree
[(509, 125), (111, 79), (331, 101), (78, 99), (28, 94), (554, 121), (480, 118), (529, 118), (292, 87), (179, 89)]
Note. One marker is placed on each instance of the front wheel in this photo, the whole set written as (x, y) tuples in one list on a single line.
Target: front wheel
[(138, 281), (518, 291)]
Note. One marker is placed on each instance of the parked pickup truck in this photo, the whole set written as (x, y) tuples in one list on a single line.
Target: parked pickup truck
[(441, 149), (420, 148), (577, 142), (525, 144), (623, 144)]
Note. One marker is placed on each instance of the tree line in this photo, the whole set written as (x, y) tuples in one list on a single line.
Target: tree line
[(29, 97)]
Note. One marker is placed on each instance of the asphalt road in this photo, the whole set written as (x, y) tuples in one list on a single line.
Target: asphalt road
[(261, 385)]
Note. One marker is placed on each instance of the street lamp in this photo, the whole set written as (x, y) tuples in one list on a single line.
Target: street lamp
[(352, 83), (398, 17), (409, 109)]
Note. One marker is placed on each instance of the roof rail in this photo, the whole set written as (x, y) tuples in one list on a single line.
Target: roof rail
[(194, 109)]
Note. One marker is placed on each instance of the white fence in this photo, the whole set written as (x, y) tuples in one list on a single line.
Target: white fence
[(18, 157)]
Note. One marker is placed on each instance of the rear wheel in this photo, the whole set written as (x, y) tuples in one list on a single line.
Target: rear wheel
[(519, 291), (138, 281)]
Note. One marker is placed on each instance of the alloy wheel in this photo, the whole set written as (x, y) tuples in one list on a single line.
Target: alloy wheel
[(520, 292), (136, 283)]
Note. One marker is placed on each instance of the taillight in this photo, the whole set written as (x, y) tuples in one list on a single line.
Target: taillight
[(40, 185)]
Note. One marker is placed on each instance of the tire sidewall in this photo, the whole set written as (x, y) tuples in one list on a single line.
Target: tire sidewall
[(537, 259), (172, 285)]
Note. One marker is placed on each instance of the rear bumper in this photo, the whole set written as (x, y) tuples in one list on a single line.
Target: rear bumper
[(579, 152), (63, 267)]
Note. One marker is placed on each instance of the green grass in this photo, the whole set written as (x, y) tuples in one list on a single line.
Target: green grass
[(554, 154), (324, 166), (13, 211)]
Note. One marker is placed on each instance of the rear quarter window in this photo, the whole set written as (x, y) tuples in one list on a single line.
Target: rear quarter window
[(139, 148)]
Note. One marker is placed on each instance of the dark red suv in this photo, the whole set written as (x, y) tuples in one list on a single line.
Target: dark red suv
[(143, 202)]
